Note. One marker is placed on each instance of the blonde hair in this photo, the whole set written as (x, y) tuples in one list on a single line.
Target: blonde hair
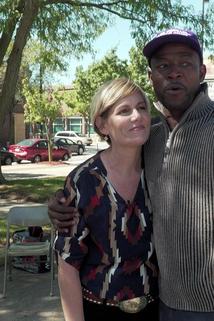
[(109, 94)]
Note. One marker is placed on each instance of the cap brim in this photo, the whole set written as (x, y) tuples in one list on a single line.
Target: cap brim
[(158, 42)]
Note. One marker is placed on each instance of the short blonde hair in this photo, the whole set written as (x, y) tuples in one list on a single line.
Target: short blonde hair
[(109, 94)]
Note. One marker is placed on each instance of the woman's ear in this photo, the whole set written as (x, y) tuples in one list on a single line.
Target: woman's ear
[(100, 124)]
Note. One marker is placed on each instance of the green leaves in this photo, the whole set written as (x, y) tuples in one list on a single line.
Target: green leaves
[(87, 82), (40, 106)]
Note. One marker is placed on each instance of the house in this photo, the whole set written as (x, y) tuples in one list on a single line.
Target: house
[(14, 126)]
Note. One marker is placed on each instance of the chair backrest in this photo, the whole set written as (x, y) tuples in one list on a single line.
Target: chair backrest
[(29, 215)]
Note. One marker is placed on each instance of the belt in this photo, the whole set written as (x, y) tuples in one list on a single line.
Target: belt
[(129, 306)]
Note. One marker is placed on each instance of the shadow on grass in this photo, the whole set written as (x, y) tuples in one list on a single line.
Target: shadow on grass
[(13, 176), (31, 190)]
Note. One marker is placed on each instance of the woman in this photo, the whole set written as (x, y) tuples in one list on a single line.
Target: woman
[(107, 265)]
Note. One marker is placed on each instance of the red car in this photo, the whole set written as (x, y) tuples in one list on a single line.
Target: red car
[(36, 150)]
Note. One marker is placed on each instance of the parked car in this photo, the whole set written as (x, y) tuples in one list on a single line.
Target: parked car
[(77, 138), (6, 157), (70, 145), (36, 150)]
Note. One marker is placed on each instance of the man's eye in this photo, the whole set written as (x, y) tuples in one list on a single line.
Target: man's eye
[(185, 64), (163, 66)]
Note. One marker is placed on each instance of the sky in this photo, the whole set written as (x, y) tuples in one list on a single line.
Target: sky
[(117, 36)]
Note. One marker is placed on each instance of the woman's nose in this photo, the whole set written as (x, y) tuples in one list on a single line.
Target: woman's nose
[(135, 114)]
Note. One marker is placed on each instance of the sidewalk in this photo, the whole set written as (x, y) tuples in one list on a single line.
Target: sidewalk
[(28, 296)]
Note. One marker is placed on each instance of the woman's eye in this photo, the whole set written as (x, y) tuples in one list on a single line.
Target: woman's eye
[(143, 107), (124, 111)]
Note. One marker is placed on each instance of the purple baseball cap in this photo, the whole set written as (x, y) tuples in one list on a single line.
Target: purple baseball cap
[(173, 35)]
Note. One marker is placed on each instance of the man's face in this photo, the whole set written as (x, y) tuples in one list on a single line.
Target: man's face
[(176, 73)]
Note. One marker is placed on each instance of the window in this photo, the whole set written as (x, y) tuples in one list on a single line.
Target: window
[(75, 124), (42, 144), (58, 125), (63, 134)]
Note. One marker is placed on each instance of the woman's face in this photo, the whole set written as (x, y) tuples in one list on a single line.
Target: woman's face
[(128, 121)]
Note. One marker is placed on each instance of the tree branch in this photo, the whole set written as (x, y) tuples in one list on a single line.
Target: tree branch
[(6, 37), (13, 65), (9, 30), (106, 6)]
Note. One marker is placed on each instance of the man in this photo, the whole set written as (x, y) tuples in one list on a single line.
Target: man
[(179, 167)]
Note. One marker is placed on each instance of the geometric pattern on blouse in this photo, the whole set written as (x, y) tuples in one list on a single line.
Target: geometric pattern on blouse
[(111, 244)]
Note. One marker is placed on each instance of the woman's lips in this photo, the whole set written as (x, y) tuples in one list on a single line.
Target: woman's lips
[(137, 128)]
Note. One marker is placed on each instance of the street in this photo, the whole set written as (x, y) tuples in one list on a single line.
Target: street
[(44, 169)]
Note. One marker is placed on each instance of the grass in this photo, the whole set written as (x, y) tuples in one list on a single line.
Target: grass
[(31, 190), (27, 190)]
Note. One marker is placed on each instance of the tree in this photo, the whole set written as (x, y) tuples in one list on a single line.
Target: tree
[(138, 71), (111, 66), (42, 107), (69, 101), (87, 82)]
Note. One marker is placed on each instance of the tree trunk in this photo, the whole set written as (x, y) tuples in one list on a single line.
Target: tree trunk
[(13, 65), (9, 30), (48, 131), (2, 179), (30, 11), (6, 38)]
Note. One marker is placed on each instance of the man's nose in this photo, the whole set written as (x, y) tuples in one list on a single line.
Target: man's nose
[(174, 71)]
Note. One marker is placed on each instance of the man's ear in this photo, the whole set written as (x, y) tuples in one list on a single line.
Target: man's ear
[(203, 71)]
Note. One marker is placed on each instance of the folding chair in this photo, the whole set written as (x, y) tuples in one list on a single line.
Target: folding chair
[(24, 216)]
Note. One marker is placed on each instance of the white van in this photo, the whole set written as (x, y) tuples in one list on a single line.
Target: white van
[(77, 138)]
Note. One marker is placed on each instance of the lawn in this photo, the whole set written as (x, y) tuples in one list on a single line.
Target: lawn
[(31, 190), (27, 190)]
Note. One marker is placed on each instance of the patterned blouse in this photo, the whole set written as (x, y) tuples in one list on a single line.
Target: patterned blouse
[(111, 245)]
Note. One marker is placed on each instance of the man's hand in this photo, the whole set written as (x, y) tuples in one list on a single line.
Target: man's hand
[(62, 216)]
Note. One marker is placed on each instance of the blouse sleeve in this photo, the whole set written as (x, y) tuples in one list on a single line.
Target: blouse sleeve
[(72, 246)]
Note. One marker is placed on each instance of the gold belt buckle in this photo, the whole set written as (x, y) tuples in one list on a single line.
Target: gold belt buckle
[(133, 305)]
